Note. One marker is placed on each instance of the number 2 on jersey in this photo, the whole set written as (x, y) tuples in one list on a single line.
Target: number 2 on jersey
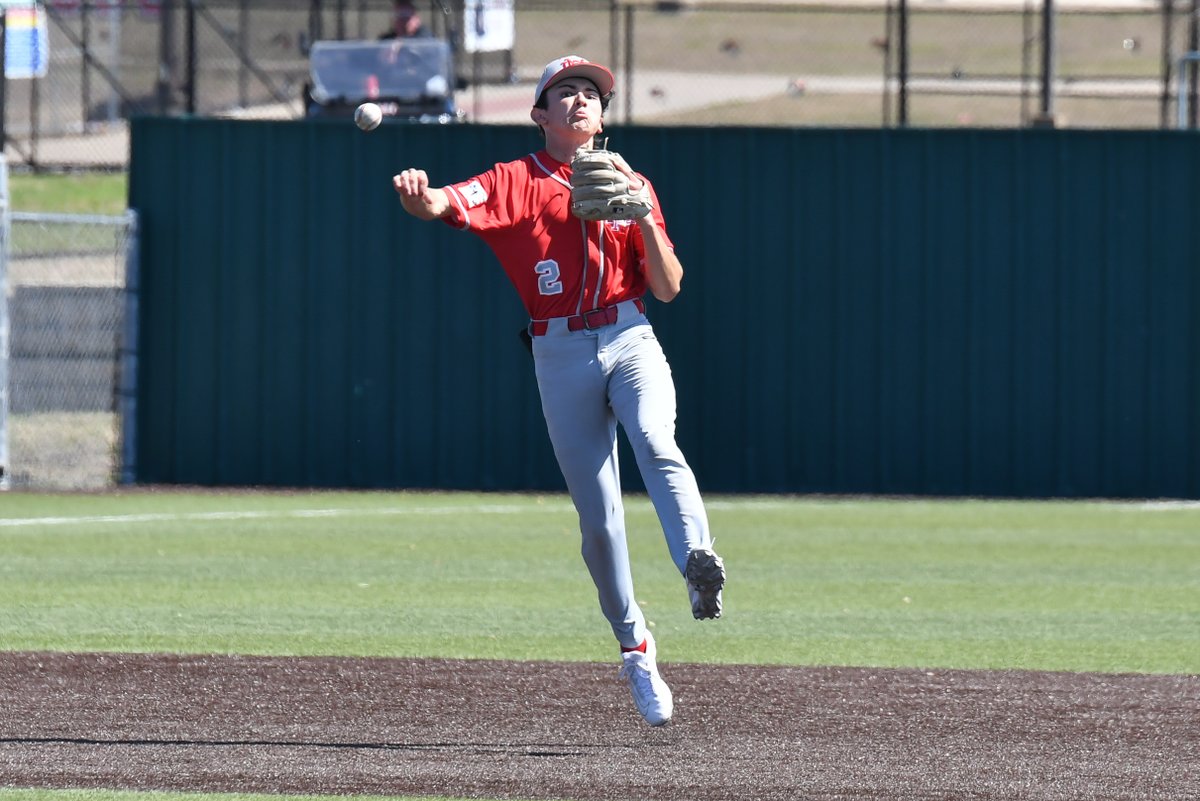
[(548, 274)]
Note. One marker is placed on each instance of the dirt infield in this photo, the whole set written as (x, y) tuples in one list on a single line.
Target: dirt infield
[(568, 731)]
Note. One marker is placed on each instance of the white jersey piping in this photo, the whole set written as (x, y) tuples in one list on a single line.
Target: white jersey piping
[(462, 208)]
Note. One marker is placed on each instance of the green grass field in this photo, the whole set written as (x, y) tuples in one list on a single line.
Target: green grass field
[(69, 193), (1109, 587), (953, 584)]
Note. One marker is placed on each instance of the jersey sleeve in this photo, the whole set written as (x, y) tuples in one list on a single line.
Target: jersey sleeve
[(477, 204)]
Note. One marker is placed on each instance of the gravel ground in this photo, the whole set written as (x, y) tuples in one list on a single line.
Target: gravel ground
[(479, 729)]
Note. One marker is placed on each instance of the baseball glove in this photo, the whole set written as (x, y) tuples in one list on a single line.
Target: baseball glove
[(600, 190)]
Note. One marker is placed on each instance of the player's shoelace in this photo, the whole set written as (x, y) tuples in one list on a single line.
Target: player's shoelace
[(638, 676)]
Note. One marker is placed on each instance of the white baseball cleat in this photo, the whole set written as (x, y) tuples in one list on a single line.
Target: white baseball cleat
[(705, 574), (650, 693)]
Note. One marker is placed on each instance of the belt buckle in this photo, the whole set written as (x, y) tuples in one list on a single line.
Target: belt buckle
[(605, 318)]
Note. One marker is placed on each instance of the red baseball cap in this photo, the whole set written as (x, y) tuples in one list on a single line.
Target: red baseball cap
[(562, 68)]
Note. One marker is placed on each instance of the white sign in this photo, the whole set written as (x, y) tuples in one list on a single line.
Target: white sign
[(26, 44), (488, 26)]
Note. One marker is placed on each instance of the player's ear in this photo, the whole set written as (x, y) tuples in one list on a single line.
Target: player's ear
[(538, 115)]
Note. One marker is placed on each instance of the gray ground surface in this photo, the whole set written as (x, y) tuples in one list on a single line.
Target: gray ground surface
[(568, 731)]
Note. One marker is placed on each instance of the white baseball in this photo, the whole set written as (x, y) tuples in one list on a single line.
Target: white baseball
[(368, 116)]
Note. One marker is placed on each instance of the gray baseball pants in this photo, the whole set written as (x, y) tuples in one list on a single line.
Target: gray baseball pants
[(589, 382)]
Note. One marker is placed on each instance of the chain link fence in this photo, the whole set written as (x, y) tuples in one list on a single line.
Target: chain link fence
[(985, 63), (69, 284), (1112, 65)]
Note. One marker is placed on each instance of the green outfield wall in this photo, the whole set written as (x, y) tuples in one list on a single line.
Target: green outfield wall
[(997, 313)]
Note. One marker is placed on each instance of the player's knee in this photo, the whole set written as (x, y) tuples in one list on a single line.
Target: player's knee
[(599, 541), (657, 446)]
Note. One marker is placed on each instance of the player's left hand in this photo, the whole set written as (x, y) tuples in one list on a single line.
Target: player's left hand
[(605, 187)]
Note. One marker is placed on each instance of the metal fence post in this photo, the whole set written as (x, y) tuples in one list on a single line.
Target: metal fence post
[(164, 85), (902, 119), (628, 65), (1164, 100), (3, 262), (85, 37), (614, 33), (243, 40), (341, 19), (316, 22), (1186, 91), (1193, 48), (3, 80), (128, 356), (3, 313), (190, 55), (1027, 40), (889, 38), (1045, 117)]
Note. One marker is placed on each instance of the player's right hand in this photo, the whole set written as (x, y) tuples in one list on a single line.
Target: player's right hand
[(415, 195), (411, 183)]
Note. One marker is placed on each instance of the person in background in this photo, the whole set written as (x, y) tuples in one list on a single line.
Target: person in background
[(406, 22)]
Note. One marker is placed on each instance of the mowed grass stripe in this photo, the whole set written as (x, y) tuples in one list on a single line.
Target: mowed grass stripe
[(813, 581), (165, 517), (720, 505)]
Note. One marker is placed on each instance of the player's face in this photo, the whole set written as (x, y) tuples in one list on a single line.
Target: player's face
[(574, 104)]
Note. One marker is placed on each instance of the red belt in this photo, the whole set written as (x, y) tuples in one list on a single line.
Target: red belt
[(596, 318)]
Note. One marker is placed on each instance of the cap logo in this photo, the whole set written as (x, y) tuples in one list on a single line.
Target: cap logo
[(597, 74)]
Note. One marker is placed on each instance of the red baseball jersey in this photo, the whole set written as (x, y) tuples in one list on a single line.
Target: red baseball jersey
[(560, 265)]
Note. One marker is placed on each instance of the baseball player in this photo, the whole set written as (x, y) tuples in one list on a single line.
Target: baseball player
[(581, 237)]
